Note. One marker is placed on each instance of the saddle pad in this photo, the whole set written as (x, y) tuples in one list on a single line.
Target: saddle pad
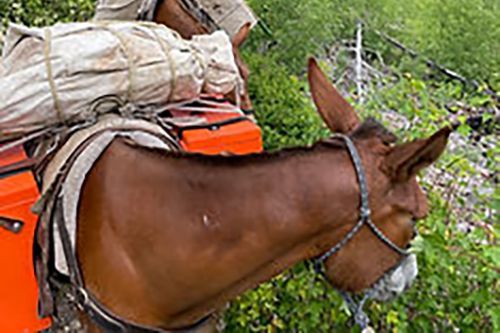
[(101, 135)]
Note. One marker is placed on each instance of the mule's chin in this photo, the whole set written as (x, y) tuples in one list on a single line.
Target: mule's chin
[(396, 281)]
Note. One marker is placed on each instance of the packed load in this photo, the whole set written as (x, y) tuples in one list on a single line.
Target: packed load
[(53, 75), (229, 15)]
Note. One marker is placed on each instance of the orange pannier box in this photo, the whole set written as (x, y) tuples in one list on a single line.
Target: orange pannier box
[(222, 133), (18, 285)]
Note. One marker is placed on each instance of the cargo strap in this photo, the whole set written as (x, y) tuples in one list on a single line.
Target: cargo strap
[(50, 75)]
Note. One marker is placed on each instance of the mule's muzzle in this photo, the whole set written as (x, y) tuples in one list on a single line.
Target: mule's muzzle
[(397, 280)]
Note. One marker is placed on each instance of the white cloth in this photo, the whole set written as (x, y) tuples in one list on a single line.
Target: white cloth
[(230, 15)]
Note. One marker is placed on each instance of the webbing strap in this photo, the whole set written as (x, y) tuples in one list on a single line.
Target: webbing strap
[(167, 50)]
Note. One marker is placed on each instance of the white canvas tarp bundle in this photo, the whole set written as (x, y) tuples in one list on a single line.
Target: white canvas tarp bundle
[(229, 15), (51, 75), (123, 9)]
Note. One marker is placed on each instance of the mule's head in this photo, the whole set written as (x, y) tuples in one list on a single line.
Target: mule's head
[(172, 14), (396, 200)]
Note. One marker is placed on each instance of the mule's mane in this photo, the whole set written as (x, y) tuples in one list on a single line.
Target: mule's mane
[(369, 129), (372, 128)]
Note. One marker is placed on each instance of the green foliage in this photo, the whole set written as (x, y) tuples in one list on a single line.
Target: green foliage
[(462, 35), (40, 12), (285, 114), (299, 28)]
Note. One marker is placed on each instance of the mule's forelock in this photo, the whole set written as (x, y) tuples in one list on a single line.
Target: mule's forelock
[(372, 128)]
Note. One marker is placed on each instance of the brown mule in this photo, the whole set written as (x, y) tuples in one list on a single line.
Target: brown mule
[(165, 239), (175, 16)]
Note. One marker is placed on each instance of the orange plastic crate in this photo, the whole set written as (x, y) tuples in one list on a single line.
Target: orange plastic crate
[(223, 133), (18, 286)]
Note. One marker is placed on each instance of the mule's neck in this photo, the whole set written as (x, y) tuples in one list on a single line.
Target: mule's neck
[(312, 189), (261, 215), (237, 221)]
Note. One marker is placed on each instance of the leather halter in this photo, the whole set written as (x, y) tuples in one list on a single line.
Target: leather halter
[(356, 307), (364, 214)]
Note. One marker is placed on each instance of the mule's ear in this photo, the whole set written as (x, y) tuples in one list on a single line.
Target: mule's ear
[(242, 35), (404, 161), (337, 113)]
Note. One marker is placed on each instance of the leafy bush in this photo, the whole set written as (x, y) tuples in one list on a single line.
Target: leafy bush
[(40, 13), (286, 116), (460, 34)]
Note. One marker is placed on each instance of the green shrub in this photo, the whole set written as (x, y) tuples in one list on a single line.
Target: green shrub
[(286, 116), (40, 12)]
